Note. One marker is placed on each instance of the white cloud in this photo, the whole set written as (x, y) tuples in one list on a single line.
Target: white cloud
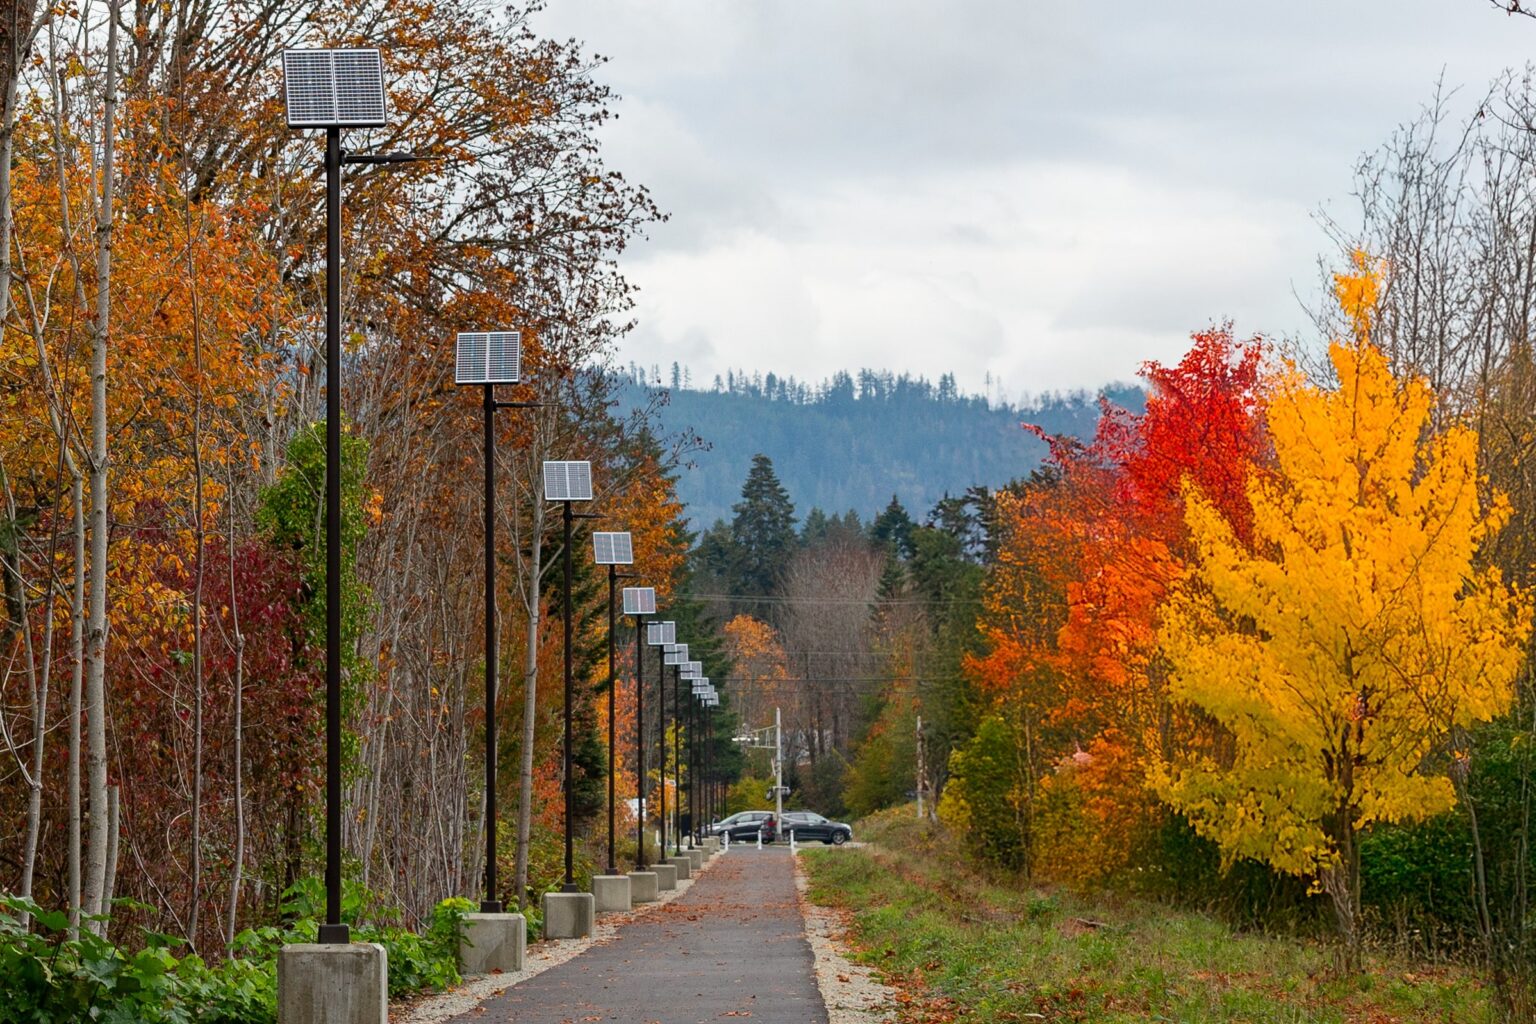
[(1050, 193)]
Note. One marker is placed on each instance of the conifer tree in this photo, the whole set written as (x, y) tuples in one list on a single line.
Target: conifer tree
[(762, 531)]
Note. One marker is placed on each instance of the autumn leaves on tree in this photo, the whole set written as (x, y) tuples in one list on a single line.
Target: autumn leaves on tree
[(161, 386), (1260, 605)]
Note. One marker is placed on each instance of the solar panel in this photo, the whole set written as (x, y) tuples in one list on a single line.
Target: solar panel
[(677, 654), (612, 549), (692, 669), (640, 601), (334, 88), (489, 357), (567, 481), (659, 634)]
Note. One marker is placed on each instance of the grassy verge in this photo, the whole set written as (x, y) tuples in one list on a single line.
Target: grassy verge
[(962, 946)]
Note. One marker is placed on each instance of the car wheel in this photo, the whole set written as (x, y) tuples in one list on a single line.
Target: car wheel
[(839, 838)]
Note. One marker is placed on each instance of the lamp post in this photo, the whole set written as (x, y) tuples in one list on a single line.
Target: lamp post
[(691, 672), (639, 602), (662, 636), (676, 656), (677, 757), (486, 359), (612, 550), (698, 785), (568, 482), (334, 89)]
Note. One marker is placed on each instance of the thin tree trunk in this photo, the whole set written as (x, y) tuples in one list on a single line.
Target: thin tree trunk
[(530, 705), (40, 690), (76, 674), (109, 878), (100, 837), (237, 870), (201, 543)]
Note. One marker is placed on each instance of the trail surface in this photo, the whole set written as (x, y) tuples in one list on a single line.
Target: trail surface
[(732, 947)]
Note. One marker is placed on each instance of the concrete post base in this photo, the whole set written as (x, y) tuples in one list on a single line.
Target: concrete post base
[(684, 865), (568, 915), (666, 877), (643, 887), (610, 894), (332, 984), (696, 857), (493, 943), (711, 843)]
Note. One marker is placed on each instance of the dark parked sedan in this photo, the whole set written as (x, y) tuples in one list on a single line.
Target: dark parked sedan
[(744, 826), (807, 826)]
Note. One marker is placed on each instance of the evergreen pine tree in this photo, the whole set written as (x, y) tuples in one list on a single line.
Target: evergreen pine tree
[(893, 529), (762, 531)]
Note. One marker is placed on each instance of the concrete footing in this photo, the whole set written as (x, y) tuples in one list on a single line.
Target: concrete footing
[(568, 915), (332, 984), (610, 894), (642, 886), (696, 857), (666, 877), (493, 943), (684, 865)]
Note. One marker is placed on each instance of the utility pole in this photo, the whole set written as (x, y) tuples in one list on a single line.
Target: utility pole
[(922, 767), (778, 768)]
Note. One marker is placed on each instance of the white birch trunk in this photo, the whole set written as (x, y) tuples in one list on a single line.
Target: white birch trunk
[(100, 837)]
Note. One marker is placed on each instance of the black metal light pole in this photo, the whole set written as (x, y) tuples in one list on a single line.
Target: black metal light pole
[(488, 358), (693, 768), (661, 733), (490, 905), (568, 482), (613, 685), (708, 762), (677, 758), (612, 550), (639, 743), (570, 790), (638, 603), (333, 930), (661, 759), (335, 89)]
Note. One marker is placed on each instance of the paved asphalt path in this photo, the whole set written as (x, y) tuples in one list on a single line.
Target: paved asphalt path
[(733, 947)]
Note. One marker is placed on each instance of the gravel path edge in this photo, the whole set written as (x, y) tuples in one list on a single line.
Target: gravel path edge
[(852, 993)]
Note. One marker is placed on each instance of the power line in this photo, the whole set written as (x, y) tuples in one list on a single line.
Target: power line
[(873, 602)]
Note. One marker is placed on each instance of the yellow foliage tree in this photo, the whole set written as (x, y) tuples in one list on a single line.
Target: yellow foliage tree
[(1344, 647)]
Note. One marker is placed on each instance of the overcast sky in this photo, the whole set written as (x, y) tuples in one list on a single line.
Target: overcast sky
[(1049, 192)]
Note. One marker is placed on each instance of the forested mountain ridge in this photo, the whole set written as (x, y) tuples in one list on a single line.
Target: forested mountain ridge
[(853, 441)]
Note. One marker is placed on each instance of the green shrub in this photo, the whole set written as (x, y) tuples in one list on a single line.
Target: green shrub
[(49, 978)]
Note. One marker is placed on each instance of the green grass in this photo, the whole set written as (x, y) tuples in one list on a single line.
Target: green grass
[(960, 945)]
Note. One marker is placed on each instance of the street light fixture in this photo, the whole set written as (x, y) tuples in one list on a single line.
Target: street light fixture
[(612, 550), (639, 602), (568, 482), (489, 358), (334, 89)]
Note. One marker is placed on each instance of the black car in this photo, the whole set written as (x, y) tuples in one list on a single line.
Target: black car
[(806, 826), (744, 826)]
